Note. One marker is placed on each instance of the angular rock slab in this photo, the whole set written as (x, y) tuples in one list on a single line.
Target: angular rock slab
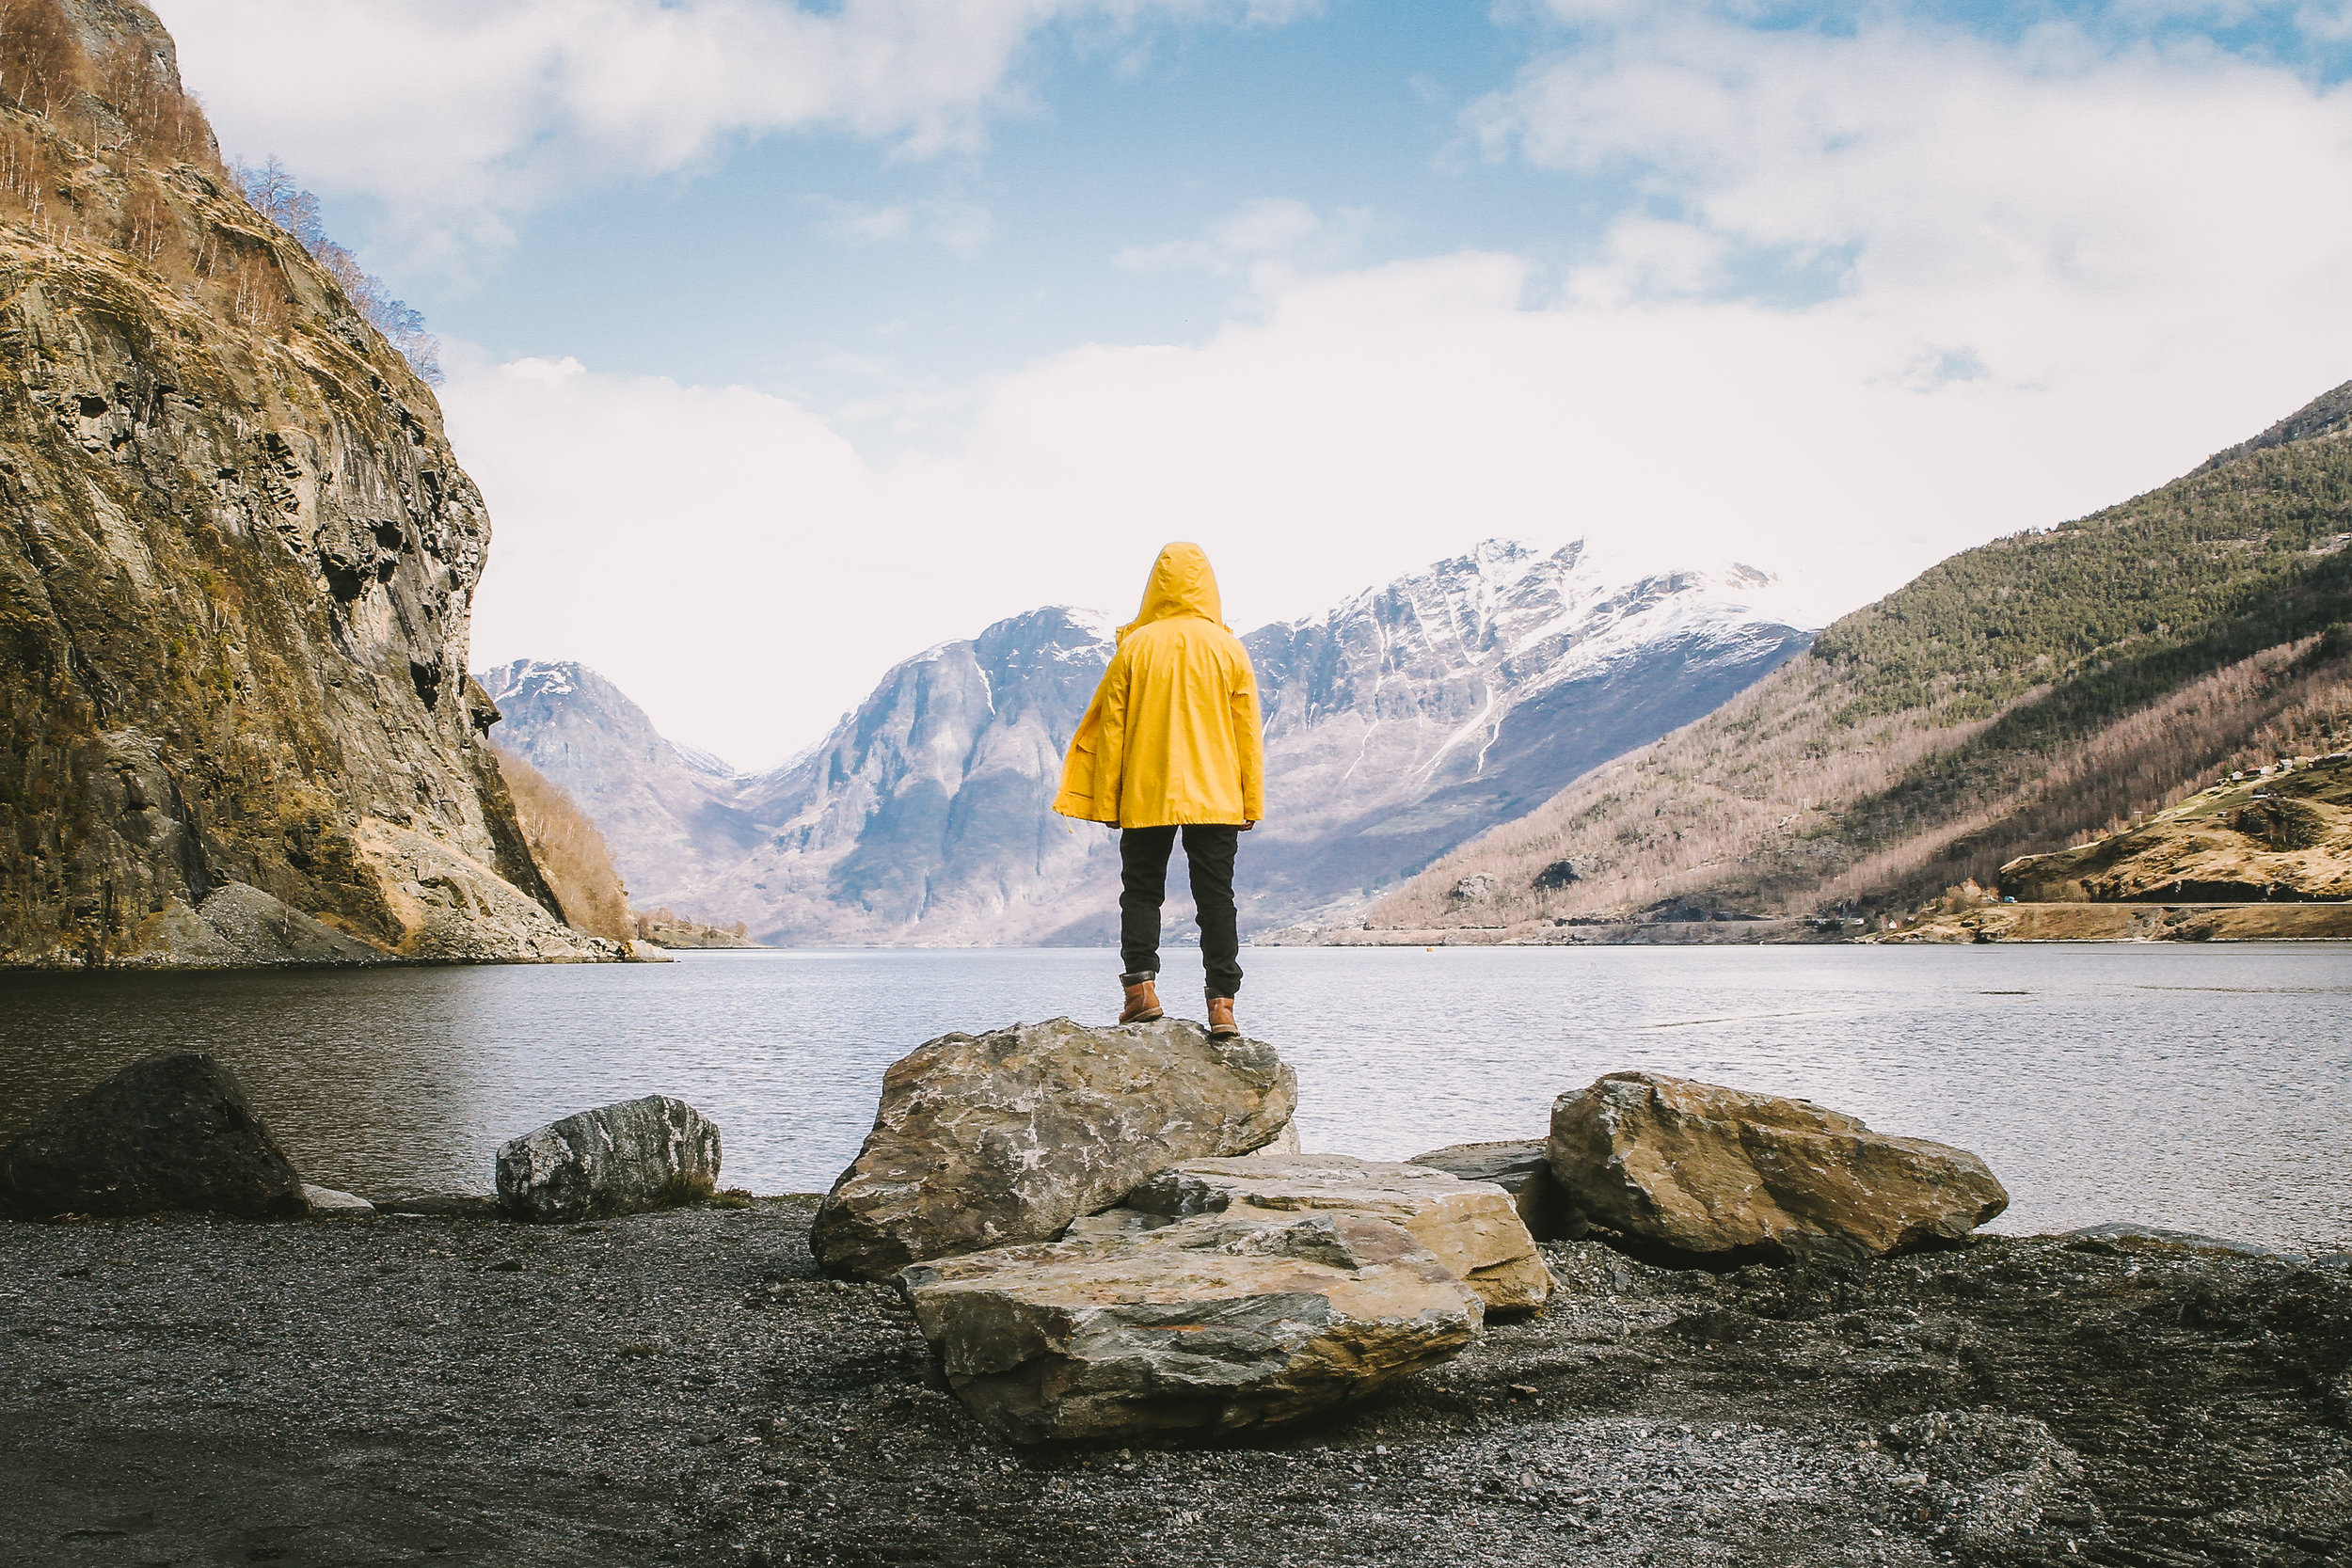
[(990, 1140), (623, 1159), (1521, 1168), (1471, 1228), (171, 1131), (1214, 1324), (329, 1203), (1705, 1170)]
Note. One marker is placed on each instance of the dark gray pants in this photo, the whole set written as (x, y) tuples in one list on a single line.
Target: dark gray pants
[(1143, 854)]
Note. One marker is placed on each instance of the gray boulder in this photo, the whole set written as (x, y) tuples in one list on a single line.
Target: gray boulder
[(172, 1131), (1470, 1227), (1703, 1169), (1214, 1324), (1521, 1168), (624, 1159), (988, 1140)]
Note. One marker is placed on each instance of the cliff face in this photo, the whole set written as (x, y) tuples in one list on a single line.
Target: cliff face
[(1397, 724), (236, 576)]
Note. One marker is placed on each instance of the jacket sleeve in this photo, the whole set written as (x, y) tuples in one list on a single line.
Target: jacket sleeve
[(1081, 793), (1248, 740), (1110, 740)]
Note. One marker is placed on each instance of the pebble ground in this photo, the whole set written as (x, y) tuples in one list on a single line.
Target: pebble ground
[(680, 1387)]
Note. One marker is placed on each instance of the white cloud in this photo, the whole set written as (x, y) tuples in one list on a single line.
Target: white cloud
[(2045, 276), (1271, 233), (2056, 207), (459, 116), (740, 569)]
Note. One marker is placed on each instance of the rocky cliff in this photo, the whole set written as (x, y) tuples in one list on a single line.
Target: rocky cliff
[(235, 580), (1398, 724)]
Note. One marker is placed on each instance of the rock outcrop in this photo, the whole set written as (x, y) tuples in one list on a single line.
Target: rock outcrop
[(2283, 835), (1521, 1168), (171, 1131), (1214, 1324), (988, 1140), (236, 588), (1470, 1227), (1697, 1168), (624, 1159)]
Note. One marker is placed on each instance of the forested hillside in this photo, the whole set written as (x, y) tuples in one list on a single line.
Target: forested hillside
[(2012, 700)]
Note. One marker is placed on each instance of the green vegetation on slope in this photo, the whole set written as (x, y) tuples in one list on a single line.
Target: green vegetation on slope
[(2117, 609), (2009, 700)]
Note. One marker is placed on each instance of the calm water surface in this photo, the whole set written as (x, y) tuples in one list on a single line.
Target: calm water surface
[(2207, 1088)]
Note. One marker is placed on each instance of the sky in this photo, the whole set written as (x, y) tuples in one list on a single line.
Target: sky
[(785, 341)]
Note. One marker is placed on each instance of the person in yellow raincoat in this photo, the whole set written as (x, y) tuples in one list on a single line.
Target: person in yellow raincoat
[(1171, 743)]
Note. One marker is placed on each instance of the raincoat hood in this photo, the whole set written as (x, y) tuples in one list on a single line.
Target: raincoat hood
[(1182, 584)]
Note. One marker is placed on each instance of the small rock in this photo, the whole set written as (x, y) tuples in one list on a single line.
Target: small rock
[(326, 1203), (624, 1159), (985, 1140), (172, 1131), (1704, 1169), (1220, 1323), (1470, 1227)]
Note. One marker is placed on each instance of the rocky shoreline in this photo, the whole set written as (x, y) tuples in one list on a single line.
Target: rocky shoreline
[(684, 1387)]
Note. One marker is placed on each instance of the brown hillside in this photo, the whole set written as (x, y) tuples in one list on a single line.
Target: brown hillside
[(2016, 700), (569, 851), (2270, 835)]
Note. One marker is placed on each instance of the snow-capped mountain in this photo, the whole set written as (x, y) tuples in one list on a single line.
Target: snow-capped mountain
[(1419, 714), (1398, 724), (667, 811)]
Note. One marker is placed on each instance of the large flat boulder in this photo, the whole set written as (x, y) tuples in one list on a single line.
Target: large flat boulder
[(1471, 1228), (624, 1159), (171, 1131), (989, 1140), (1214, 1324), (1704, 1169), (1521, 1167)]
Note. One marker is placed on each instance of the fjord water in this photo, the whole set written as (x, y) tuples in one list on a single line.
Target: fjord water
[(2203, 1088)]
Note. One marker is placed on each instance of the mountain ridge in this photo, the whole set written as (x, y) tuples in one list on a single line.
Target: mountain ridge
[(2009, 700), (1397, 722)]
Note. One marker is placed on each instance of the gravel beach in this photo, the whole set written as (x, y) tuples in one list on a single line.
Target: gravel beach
[(681, 1388)]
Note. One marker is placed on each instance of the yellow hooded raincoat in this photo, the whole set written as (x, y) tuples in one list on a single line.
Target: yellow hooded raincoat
[(1172, 735)]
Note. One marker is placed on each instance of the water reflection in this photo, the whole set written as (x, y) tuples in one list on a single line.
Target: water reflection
[(2209, 1088)]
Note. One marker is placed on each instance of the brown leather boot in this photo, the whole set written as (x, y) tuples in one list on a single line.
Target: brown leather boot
[(1221, 1025), (1143, 1003)]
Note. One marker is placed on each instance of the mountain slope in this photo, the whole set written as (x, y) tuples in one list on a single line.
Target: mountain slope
[(236, 579), (2005, 702), (1397, 724), (1418, 713), (672, 806)]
